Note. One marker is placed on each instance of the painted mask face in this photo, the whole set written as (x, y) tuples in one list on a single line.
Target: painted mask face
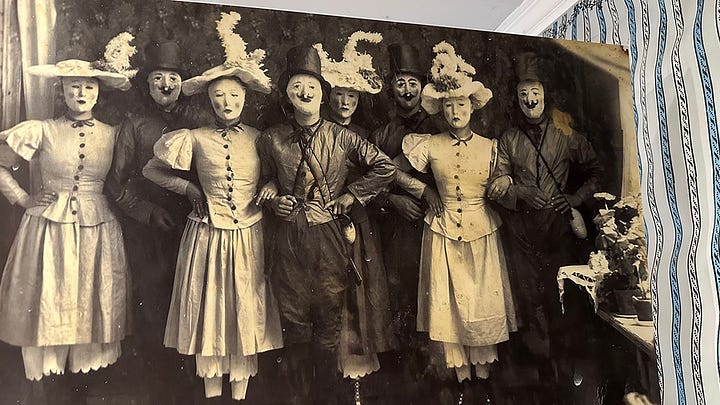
[(227, 97), (531, 97), (406, 89), (80, 93), (457, 111), (164, 86), (343, 103), (305, 93)]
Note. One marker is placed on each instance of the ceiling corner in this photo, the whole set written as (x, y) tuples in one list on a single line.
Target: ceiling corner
[(532, 17)]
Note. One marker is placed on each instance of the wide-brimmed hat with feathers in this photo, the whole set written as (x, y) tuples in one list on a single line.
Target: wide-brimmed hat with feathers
[(355, 70), (113, 70), (248, 67), (451, 76)]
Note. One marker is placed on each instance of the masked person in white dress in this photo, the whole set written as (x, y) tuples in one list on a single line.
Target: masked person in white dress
[(64, 290), (221, 309), (464, 299)]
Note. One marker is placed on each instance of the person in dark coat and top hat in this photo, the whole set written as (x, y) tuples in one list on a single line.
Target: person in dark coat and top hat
[(153, 217), (308, 156), (536, 161), (399, 214), (366, 315)]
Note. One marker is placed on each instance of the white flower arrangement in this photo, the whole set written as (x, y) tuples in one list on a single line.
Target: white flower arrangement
[(621, 259)]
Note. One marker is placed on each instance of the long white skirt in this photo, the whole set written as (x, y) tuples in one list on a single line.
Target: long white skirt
[(464, 291), (221, 304), (64, 295)]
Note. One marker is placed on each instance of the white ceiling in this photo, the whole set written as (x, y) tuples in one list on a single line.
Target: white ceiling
[(516, 16)]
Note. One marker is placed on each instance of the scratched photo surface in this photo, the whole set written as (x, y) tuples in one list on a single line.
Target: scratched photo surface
[(586, 139)]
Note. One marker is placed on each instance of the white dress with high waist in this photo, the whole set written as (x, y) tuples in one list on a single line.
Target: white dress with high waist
[(64, 289), (464, 298)]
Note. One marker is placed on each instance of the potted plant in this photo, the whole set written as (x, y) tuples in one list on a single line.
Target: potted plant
[(620, 261)]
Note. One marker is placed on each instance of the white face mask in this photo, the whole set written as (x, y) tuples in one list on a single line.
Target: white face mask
[(305, 94), (531, 97), (407, 89), (227, 97), (457, 111), (80, 93), (343, 103), (164, 86)]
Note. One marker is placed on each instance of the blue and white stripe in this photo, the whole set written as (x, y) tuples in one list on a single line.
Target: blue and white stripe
[(675, 108)]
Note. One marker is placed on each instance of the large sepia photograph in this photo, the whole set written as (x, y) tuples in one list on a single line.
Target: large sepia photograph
[(206, 204)]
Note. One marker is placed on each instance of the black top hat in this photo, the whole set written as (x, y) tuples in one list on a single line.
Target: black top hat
[(528, 67), (162, 55), (303, 59), (405, 58)]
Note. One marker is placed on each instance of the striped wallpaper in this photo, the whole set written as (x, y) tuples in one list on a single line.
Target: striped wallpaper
[(674, 49)]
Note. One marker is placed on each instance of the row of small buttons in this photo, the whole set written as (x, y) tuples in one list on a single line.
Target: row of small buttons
[(229, 176), (458, 193), (80, 167)]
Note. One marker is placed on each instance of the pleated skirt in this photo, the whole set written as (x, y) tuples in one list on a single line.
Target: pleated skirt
[(464, 291), (64, 284), (221, 304)]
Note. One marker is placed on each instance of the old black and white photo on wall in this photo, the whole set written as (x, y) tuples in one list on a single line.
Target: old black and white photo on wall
[(215, 203)]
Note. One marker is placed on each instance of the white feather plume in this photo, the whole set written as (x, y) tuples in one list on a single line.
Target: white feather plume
[(117, 55), (233, 43), (355, 70), (449, 70)]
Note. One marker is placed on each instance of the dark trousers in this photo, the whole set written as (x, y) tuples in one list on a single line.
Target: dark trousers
[(539, 242), (310, 277), (151, 257)]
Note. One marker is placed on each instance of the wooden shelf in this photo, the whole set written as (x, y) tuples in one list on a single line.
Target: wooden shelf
[(641, 335)]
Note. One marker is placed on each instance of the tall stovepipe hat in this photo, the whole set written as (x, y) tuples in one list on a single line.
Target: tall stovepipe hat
[(113, 70), (405, 58), (355, 71), (162, 55), (451, 76), (248, 67), (303, 59), (528, 67)]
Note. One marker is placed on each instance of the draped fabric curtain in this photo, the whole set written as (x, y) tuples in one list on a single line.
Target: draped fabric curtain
[(674, 52), (11, 79), (27, 39), (37, 46), (25, 44)]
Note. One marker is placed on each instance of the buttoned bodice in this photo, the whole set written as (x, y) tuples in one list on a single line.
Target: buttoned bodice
[(74, 158), (228, 169), (461, 170)]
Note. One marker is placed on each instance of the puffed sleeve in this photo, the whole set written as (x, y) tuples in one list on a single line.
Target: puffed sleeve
[(175, 149), (24, 138), (415, 149)]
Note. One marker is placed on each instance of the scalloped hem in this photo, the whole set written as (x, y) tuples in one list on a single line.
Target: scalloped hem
[(457, 355), (43, 361), (238, 367), (358, 366)]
